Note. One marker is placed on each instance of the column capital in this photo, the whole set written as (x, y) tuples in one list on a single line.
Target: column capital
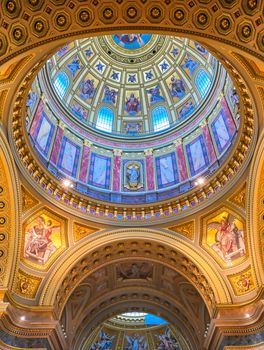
[(117, 152), (148, 152), (177, 142), (204, 123), (61, 124), (87, 143)]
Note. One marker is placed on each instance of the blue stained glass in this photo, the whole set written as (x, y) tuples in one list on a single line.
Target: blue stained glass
[(160, 118), (105, 119), (61, 84), (202, 81)]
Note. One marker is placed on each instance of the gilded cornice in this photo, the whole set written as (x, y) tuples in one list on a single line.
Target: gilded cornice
[(9, 213), (199, 197), (256, 210)]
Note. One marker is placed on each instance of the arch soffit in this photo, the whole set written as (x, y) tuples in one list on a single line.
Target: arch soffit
[(72, 20), (256, 212), (163, 308), (134, 243), (9, 214), (109, 286)]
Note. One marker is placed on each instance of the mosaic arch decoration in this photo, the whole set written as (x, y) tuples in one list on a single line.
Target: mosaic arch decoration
[(132, 130), (225, 237)]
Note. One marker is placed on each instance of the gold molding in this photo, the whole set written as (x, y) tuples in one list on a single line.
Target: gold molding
[(186, 229), (26, 285), (28, 201), (80, 231), (239, 197), (243, 282)]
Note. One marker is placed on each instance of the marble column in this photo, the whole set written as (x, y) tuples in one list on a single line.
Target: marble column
[(57, 142), (85, 160), (181, 161), (229, 118), (117, 170), (36, 119), (208, 141), (150, 169)]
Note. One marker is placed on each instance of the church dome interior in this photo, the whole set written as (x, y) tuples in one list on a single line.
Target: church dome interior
[(129, 131), (131, 175)]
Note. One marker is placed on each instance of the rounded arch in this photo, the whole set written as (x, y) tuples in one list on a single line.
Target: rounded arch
[(76, 20), (154, 303), (160, 118), (152, 245), (256, 212), (10, 214), (105, 119)]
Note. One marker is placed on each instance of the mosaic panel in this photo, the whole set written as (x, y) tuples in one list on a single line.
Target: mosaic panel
[(167, 172), (197, 155), (100, 171), (69, 157)]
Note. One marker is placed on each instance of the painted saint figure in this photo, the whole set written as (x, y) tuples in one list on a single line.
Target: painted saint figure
[(201, 48), (133, 175), (155, 95), (177, 88), (31, 100), (129, 38), (87, 89), (79, 111), (109, 95), (167, 342), (229, 240), (74, 66), (190, 64), (38, 243), (136, 342), (132, 104), (186, 110), (105, 342)]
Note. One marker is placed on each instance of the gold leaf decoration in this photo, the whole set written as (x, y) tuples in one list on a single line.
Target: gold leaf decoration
[(81, 231), (26, 285), (28, 201), (242, 282), (239, 198), (186, 229)]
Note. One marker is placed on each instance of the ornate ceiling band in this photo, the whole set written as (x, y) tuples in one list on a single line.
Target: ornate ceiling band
[(140, 214), (256, 223), (118, 248), (9, 214), (28, 24)]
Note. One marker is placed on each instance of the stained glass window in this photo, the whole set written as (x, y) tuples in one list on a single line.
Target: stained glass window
[(105, 119), (202, 81), (61, 84), (160, 118)]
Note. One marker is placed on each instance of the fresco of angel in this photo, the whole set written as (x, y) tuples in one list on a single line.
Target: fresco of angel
[(105, 342), (136, 342), (167, 342), (229, 238), (87, 89), (39, 239), (135, 271)]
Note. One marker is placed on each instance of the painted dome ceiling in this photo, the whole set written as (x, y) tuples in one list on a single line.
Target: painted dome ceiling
[(132, 118), (132, 84)]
